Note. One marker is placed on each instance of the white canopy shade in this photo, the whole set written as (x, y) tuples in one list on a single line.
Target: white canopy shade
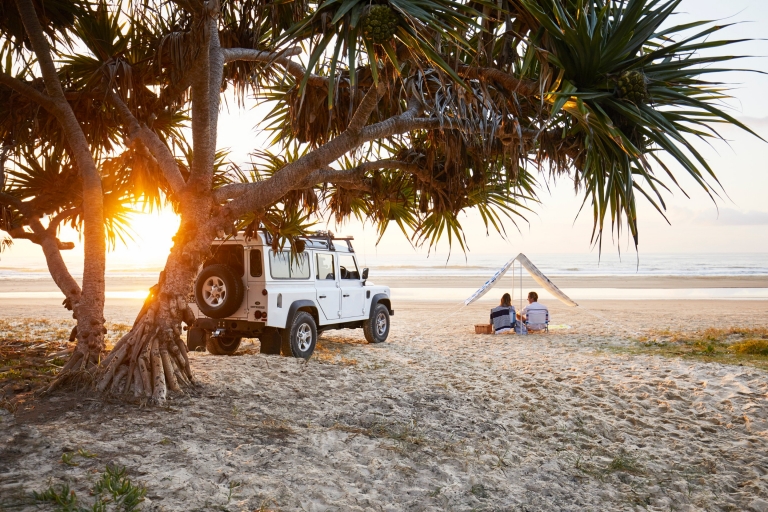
[(535, 273)]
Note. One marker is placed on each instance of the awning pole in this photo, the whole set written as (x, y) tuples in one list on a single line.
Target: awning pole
[(513, 283), (521, 294)]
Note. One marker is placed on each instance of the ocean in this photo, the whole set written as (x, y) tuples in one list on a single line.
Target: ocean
[(32, 283), (576, 265)]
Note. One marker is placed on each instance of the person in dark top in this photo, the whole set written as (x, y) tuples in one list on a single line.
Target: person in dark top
[(503, 316)]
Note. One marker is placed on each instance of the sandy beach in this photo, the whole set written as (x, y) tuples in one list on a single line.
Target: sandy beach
[(437, 418)]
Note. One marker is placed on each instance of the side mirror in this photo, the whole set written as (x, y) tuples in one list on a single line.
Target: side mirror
[(365, 274)]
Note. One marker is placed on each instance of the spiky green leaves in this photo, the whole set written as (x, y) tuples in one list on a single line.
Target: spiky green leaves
[(380, 24), (631, 86)]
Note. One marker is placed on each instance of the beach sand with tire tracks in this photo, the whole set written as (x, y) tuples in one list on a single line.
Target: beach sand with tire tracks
[(436, 418)]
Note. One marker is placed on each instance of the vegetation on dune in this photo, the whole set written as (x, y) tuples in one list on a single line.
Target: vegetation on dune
[(32, 352), (401, 113), (113, 491), (732, 345)]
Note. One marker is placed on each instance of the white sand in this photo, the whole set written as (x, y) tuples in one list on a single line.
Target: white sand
[(437, 418)]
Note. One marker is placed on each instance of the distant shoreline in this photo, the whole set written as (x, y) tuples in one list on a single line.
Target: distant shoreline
[(644, 282)]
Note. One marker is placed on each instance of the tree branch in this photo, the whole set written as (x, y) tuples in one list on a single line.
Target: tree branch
[(14, 201), (365, 109), (53, 224), (326, 175), (216, 67), (39, 239), (52, 248), (260, 194), (510, 83), (231, 191), (355, 174), (152, 141), (281, 58), (29, 92), (41, 47), (202, 163), (93, 197)]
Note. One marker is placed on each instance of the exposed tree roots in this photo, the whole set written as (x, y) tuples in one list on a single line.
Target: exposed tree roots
[(84, 361), (151, 359)]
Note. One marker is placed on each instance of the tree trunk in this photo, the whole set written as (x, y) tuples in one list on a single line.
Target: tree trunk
[(151, 359), (89, 309)]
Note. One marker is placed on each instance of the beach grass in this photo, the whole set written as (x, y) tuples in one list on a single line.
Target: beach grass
[(32, 351), (731, 345)]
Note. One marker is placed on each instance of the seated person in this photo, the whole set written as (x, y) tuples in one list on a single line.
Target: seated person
[(503, 316), (533, 305)]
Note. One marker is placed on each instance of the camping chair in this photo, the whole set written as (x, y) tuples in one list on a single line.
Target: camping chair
[(538, 317)]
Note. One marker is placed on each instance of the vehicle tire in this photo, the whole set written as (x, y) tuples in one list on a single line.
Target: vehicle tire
[(300, 337), (270, 342), (376, 329), (218, 291), (223, 345), (196, 339)]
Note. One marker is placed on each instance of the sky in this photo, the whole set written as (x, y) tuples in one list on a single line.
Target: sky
[(737, 222)]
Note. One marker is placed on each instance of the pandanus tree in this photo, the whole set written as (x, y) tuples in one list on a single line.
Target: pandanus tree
[(57, 176), (389, 111)]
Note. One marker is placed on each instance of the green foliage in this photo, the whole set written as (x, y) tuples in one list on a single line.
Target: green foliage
[(600, 48), (343, 23), (116, 487), (755, 347), (625, 462), (113, 491), (61, 496), (602, 92), (735, 345)]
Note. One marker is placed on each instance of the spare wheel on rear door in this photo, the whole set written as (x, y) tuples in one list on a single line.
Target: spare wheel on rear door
[(218, 291)]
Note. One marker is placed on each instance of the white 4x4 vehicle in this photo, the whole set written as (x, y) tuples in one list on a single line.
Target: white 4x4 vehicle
[(248, 290)]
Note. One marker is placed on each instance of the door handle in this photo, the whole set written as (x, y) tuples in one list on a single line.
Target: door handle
[(322, 296), (346, 295)]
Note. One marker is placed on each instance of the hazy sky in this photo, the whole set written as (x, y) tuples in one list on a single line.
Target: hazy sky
[(739, 222)]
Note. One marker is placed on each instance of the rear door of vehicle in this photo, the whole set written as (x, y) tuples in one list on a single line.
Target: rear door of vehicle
[(257, 299), (352, 301), (327, 285)]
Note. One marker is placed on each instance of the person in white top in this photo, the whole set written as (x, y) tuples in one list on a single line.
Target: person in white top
[(533, 297)]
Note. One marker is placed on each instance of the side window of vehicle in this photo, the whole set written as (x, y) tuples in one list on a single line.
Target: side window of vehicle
[(283, 266), (300, 266), (348, 267), (280, 265), (257, 268), (325, 268)]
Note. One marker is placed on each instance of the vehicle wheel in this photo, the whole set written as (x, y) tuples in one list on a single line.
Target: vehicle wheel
[(218, 291), (376, 329), (300, 338), (223, 345), (196, 339), (270, 342)]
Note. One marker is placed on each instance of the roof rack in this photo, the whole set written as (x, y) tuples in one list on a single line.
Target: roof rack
[(328, 237)]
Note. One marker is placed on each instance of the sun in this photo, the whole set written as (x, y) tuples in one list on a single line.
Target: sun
[(152, 240)]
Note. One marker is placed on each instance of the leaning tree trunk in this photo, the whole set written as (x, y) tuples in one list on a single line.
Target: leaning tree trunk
[(152, 359), (89, 309)]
